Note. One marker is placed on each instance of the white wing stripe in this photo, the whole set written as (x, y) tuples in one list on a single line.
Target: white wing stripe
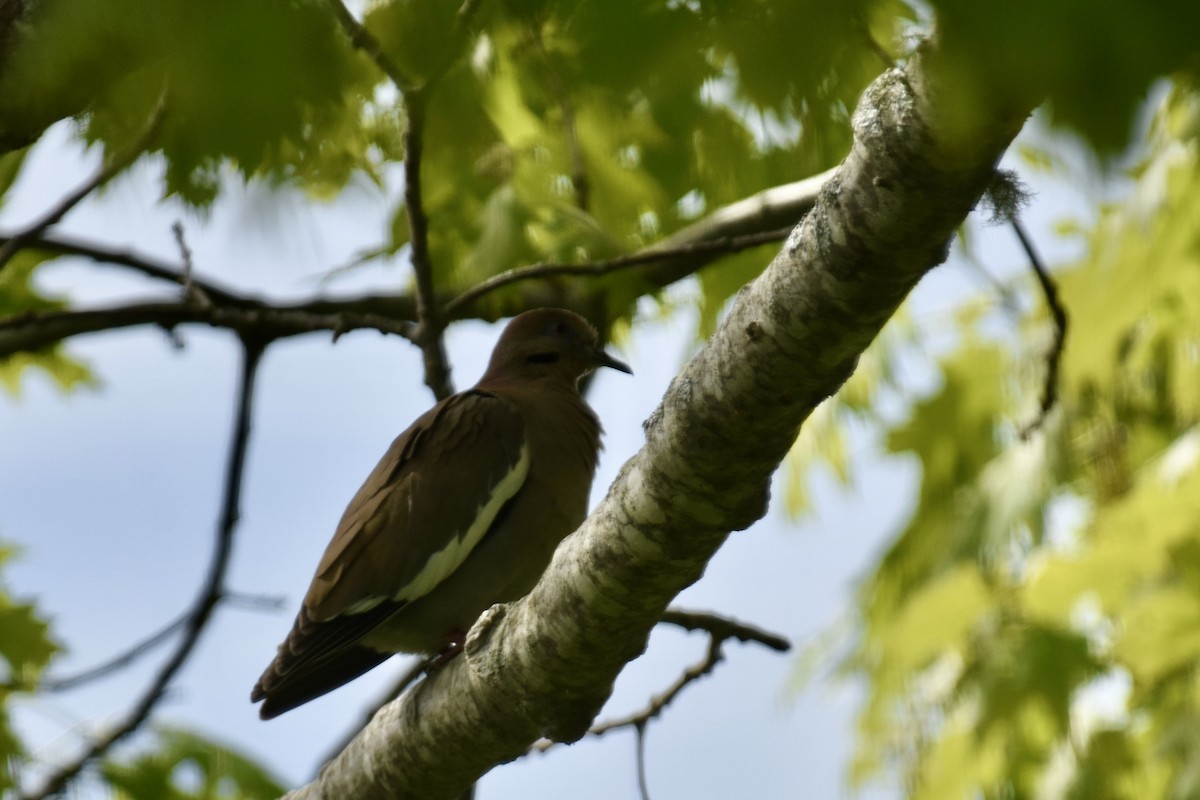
[(442, 563)]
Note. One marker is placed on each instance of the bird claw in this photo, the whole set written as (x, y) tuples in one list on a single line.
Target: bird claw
[(454, 646)]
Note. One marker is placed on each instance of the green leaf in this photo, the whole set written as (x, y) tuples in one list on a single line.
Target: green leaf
[(957, 763), (953, 434), (10, 168), (1112, 769), (958, 599), (19, 295), (26, 648), (25, 643), (241, 80), (67, 373), (1094, 78)]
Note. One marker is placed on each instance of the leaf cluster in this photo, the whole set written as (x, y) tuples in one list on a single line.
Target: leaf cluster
[(26, 648), (1045, 578)]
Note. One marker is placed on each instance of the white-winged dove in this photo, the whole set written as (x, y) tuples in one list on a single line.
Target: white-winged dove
[(464, 510)]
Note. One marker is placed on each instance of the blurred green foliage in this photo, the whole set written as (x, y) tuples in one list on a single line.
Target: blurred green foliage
[(1034, 630), (26, 647)]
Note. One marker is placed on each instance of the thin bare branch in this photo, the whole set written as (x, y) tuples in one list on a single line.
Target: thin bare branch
[(146, 265), (554, 269), (36, 330), (1059, 314), (659, 702), (119, 161), (430, 317), (719, 629), (724, 628), (643, 788), (193, 292), (118, 662), (431, 324), (210, 592), (252, 602), (265, 603)]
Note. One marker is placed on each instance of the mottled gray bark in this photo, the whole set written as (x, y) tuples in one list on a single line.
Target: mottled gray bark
[(544, 666)]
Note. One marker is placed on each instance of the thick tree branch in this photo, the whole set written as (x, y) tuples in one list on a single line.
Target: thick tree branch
[(544, 665), (210, 591)]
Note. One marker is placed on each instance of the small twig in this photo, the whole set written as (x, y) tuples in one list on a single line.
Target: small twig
[(133, 653), (724, 628), (659, 702), (553, 269), (185, 254), (643, 788), (210, 592), (265, 603), (1059, 315), (122, 159), (719, 630), (192, 290), (406, 679), (362, 39), (251, 602)]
